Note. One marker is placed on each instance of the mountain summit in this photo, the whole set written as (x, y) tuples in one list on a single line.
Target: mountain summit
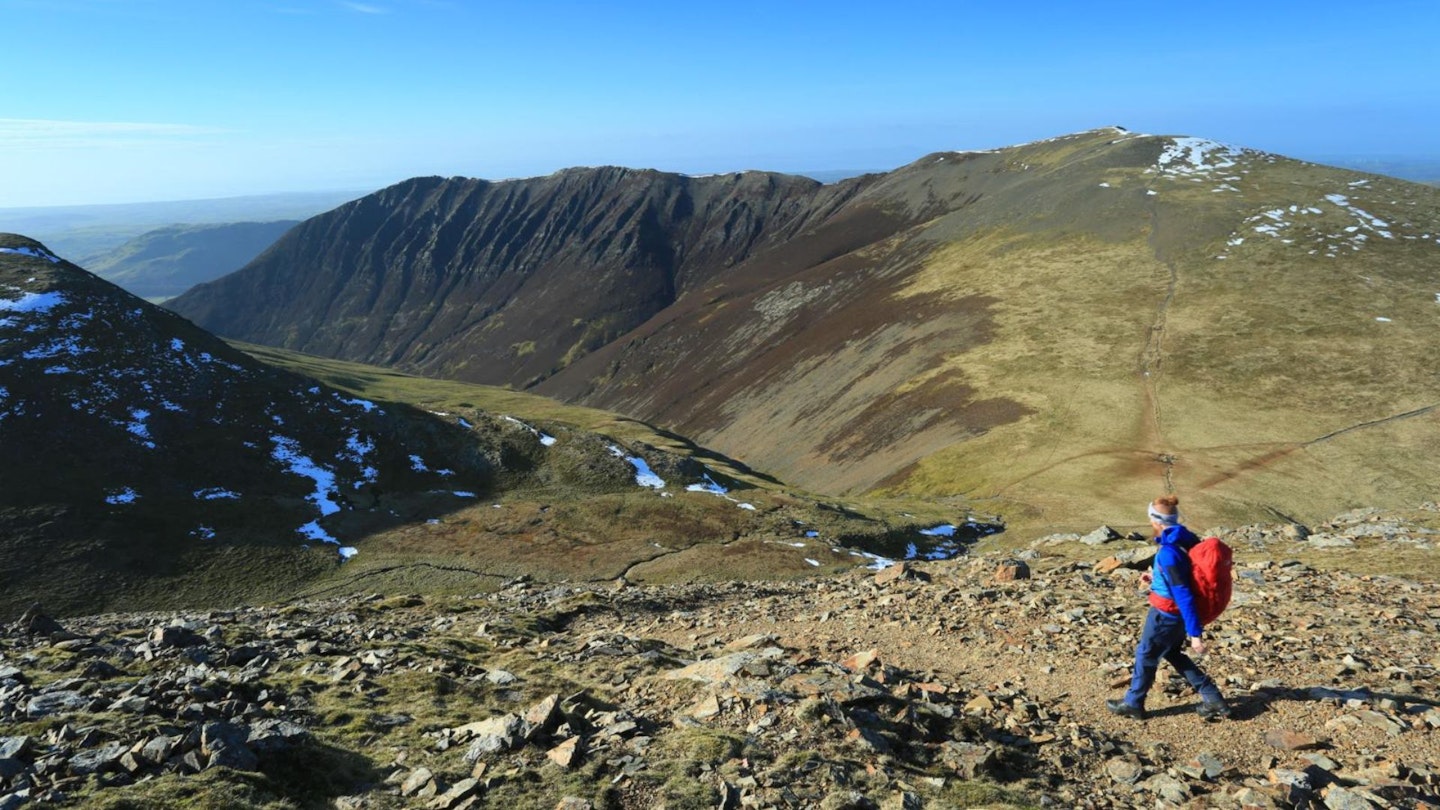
[(1061, 328)]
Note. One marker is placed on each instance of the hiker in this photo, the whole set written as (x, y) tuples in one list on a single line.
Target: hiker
[(1173, 617)]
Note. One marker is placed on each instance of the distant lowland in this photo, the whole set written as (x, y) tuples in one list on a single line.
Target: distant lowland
[(161, 264), (84, 232)]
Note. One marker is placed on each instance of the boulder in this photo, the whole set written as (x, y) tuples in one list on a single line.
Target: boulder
[(1012, 570), (1100, 536)]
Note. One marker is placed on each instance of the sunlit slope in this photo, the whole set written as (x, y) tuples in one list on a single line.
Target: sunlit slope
[(1069, 327), (1264, 340)]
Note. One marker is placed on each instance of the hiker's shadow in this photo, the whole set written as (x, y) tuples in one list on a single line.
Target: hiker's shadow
[(1248, 706)]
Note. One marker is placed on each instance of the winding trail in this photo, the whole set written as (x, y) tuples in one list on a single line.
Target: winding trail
[(1151, 361)]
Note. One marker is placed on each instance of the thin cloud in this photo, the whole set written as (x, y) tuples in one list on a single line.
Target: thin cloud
[(39, 132), (364, 8)]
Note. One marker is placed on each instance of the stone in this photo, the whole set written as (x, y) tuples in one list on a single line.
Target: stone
[(500, 677), (1100, 536), (1124, 770), (566, 754), (1381, 721), (273, 735), (13, 747), (55, 702), (223, 745), (98, 760), (1339, 798), (493, 736), (969, 760), (34, 622), (1210, 765), (751, 641), (157, 750), (543, 715), (1168, 788), (724, 668), (171, 636), (1287, 740), (894, 573), (980, 703), (418, 778), (861, 660), (1012, 570), (706, 708), (574, 803), (456, 795), (1287, 776)]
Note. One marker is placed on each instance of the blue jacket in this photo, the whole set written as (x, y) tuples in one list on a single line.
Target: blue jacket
[(1171, 583)]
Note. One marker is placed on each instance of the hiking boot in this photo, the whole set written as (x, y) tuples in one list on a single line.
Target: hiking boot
[(1124, 709), (1213, 709)]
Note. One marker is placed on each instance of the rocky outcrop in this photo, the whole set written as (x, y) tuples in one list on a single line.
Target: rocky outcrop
[(943, 690)]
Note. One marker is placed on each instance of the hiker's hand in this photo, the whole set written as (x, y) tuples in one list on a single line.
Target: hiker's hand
[(1197, 644), (1145, 578)]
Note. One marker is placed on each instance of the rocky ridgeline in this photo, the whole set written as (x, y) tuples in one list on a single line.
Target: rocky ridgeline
[(976, 681)]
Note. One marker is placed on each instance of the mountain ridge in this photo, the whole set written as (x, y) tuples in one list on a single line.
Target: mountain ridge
[(1112, 305)]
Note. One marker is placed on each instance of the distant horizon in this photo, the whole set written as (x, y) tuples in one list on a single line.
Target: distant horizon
[(169, 100), (1351, 161)]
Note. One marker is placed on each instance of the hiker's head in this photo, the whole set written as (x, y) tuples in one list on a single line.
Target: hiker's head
[(1164, 511)]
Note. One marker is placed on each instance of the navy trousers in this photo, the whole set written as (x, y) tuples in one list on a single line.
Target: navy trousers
[(1164, 637)]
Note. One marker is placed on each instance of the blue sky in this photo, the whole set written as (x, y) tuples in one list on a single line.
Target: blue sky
[(139, 100)]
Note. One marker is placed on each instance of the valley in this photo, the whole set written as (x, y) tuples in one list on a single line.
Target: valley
[(618, 488)]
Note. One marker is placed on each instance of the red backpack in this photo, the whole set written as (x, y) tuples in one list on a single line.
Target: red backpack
[(1210, 564)]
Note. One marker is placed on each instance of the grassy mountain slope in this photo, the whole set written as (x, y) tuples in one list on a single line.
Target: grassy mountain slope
[(168, 261), (1076, 325), (1060, 329)]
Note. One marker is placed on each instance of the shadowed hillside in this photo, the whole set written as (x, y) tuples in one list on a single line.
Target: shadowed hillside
[(151, 464)]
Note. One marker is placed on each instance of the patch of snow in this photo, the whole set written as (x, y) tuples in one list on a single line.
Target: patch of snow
[(463, 423), (460, 493), (1383, 320), (216, 494), (418, 464), (287, 452), (363, 404), (32, 303), (644, 476), (943, 530), (815, 563), (709, 486), (747, 506), (203, 532), (1189, 156), (137, 424), (126, 495), (34, 253), (812, 533), (1104, 185), (547, 440), (346, 552), (313, 531)]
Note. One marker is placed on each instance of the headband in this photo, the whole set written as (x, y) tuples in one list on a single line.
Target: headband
[(1162, 518)]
